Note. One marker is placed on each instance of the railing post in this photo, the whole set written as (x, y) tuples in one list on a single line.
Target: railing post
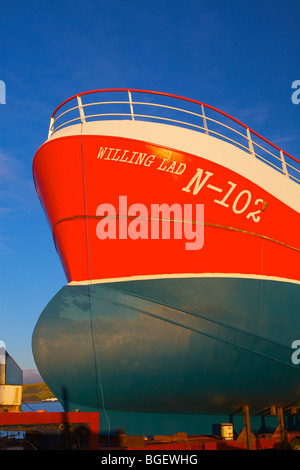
[(204, 120), (51, 127), (131, 107), (250, 143), (80, 107), (284, 167)]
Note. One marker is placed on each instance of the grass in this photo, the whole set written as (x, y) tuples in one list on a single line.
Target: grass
[(36, 392)]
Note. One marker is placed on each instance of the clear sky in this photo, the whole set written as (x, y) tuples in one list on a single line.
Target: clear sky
[(240, 56)]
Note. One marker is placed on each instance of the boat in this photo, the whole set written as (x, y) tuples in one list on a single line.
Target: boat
[(176, 227)]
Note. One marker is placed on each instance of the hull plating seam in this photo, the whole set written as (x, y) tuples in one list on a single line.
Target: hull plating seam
[(170, 313), (206, 224)]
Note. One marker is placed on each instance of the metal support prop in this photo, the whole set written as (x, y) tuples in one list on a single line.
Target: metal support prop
[(280, 434), (246, 434), (247, 427), (281, 429)]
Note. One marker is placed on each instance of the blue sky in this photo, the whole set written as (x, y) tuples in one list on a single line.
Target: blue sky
[(236, 55)]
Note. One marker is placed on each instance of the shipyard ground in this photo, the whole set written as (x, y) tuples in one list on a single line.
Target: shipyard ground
[(80, 431)]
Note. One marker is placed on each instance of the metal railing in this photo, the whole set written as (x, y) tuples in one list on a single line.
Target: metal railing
[(177, 111)]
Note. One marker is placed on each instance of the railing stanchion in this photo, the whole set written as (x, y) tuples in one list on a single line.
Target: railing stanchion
[(80, 107), (284, 167), (51, 127), (204, 120), (250, 143), (279, 160), (131, 107)]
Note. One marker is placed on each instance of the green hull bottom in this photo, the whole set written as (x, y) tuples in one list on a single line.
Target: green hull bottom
[(168, 355)]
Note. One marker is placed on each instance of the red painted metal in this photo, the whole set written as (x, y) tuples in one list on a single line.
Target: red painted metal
[(197, 443), (194, 443), (24, 418), (105, 180)]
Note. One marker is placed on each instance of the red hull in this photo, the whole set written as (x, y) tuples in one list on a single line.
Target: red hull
[(73, 176)]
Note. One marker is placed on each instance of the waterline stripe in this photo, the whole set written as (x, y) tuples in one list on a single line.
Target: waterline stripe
[(183, 276)]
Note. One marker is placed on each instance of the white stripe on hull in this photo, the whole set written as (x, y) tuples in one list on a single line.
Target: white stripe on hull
[(183, 276)]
